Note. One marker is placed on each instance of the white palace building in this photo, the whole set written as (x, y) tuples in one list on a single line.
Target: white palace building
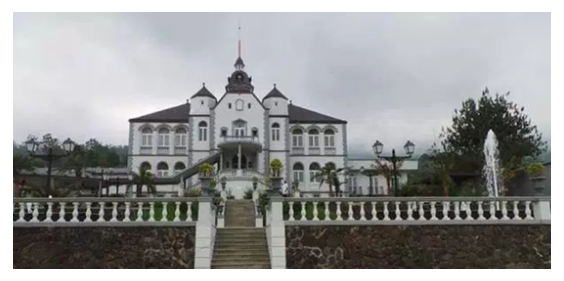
[(240, 134)]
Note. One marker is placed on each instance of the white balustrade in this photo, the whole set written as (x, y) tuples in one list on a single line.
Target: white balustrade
[(418, 210), (102, 211)]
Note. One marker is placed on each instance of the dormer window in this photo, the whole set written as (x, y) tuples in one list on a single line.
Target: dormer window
[(229, 105), (202, 102), (249, 105)]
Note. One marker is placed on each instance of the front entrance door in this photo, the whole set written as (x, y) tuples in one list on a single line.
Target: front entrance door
[(235, 162)]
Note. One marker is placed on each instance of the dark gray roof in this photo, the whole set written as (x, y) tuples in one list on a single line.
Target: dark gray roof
[(180, 114), (239, 62), (302, 115), (177, 113), (204, 92), (275, 93)]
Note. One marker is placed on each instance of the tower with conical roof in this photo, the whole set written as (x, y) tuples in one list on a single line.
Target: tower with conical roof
[(202, 101)]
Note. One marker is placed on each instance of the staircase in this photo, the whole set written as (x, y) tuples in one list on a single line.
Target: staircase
[(240, 244)]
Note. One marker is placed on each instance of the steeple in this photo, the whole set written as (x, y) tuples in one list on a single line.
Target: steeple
[(239, 64)]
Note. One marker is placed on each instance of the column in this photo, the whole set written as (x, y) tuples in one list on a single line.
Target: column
[(239, 155), (221, 162)]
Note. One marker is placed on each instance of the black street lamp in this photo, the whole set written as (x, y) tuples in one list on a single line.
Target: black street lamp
[(47, 153), (409, 148)]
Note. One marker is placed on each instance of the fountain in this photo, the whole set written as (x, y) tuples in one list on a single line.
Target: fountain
[(491, 171)]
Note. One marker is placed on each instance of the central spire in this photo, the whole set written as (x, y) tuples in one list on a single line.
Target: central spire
[(239, 64)]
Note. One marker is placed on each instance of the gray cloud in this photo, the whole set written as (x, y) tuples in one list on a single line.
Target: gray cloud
[(393, 76)]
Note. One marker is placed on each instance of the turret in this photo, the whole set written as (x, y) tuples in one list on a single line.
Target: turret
[(202, 101), (276, 102)]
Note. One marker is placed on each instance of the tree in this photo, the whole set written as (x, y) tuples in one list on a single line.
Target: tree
[(330, 174), (386, 169), (517, 137), (144, 177)]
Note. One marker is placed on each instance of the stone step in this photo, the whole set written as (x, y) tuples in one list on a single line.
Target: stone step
[(231, 244), (241, 251), (240, 248), (241, 266), (250, 235), (240, 257)]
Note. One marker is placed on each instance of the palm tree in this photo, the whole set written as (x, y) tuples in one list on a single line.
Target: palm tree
[(387, 170), (330, 174), (144, 177)]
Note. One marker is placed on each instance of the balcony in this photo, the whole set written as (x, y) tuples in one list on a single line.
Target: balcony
[(314, 151), (330, 151), (248, 142), (180, 150), (146, 150), (163, 150), (298, 151)]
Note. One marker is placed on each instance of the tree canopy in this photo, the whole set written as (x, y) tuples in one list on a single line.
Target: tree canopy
[(517, 137)]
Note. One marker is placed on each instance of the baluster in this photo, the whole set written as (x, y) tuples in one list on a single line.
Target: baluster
[(386, 211), (291, 211), (480, 211), (22, 212), (114, 212), (177, 212), (74, 212), (468, 209), (338, 212), (151, 211), (516, 211), (62, 212), (374, 211), (303, 211), (528, 213), (350, 214), (139, 212), (398, 211), (409, 211), (362, 213), (35, 212), (433, 211), (315, 218), (165, 212), (189, 211), (492, 210), (421, 211), (326, 211), (49, 212), (446, 209), (88, 212), (457, 210), (101, 212), (127, 212), (504, 210)]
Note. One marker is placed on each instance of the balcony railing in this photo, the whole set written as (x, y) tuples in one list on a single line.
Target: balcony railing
[(104, 211), (330, 151), (239, 139), (298, 150), (146, 150), (314, 151), (180, 150), (163, 150)]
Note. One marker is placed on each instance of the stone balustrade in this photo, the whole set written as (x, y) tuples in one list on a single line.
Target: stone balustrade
[(104, 211), (417, 210)]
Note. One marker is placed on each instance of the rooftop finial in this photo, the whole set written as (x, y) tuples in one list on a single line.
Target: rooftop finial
[(274, 85), (239, 35), (203, 84)]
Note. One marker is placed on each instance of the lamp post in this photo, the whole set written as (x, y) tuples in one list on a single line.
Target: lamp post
[(409, 148), (48, 153)]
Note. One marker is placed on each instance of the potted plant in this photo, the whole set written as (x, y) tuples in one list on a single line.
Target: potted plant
[(223, 180), (255, 182), (206, 170), (535, 172), (206, 175), (275, 168)]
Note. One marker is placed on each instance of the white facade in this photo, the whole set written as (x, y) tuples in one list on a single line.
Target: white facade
[(247, 132)]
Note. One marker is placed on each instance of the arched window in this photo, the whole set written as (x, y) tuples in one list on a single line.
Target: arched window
[(275, 132), (162, 169), (297, 138), (179, 167), (239, 104), (313, 138), (239, 128), (314, 170), (147, 137), (329, 138), (180, 136), (164, 137), (145, 166), (203, 131), (298, 170)]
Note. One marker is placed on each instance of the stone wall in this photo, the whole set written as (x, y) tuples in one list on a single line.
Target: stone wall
[(104, 247), (485, 246)]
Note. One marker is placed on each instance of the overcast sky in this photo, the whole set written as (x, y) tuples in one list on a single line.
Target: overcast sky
[(394, 77)]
